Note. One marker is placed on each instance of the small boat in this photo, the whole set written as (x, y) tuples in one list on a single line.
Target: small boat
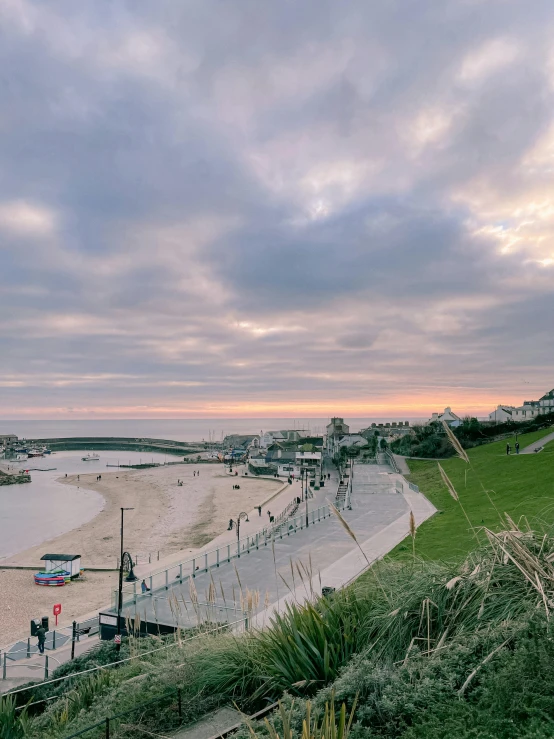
[(47, 451), (90, 458), (35, 453)]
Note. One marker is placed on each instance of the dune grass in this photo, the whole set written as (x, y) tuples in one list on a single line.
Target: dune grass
[(492, 484)]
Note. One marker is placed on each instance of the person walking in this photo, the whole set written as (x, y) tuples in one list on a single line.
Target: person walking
[(144, 587), (517, 447), (259, 510), (41, 636), (508, 448), (231, 523)]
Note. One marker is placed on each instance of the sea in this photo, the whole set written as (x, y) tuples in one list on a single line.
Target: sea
[(42, 509), (195, 429)]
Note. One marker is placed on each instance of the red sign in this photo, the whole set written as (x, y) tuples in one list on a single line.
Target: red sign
[(117, 639), (56, 611)]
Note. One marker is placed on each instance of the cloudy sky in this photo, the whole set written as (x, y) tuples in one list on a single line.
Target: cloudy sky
[(275, 208)]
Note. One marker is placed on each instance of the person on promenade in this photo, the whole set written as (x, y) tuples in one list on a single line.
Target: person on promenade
[(144, 587), (231, 522), (269, 514), (517, 447), (508, 448), (41, 636), (259, 510)]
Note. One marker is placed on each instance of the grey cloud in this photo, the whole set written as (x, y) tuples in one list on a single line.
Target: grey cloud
[(238, 113)]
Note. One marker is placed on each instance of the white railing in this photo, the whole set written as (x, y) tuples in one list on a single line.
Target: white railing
[(181, 572)]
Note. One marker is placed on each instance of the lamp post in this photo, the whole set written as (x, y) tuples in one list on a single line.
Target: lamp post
[(306, 499), (120, 591), (241, 515)]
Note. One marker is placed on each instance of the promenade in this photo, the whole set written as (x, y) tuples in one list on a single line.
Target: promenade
[(268, 578), (324, 553)]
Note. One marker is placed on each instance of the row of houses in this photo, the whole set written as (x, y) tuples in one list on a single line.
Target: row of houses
[(529, 410)]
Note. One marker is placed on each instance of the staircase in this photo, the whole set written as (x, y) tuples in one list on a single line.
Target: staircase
[(341, 494)]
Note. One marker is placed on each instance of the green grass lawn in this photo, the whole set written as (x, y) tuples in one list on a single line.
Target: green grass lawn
[(520, 485)]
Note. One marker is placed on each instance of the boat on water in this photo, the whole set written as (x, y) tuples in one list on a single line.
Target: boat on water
[(90, 458), (35, 453)]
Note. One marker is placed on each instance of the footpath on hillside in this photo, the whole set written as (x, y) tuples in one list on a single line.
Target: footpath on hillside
[(538, 445)]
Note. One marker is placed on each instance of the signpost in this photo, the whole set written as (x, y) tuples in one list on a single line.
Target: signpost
[(117, 639), (56, 611)]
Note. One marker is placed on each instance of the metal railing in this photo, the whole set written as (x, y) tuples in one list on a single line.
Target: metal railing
[(391, 460), (181, 572), (24, 649), (7, 661)]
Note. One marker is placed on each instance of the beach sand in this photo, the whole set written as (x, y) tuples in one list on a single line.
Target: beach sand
[(167, 518)]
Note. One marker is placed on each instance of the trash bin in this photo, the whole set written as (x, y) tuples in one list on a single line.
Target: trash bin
[(35, 623), (44, 621), (327, 591)]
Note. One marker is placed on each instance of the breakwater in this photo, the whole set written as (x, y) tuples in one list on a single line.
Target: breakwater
[(114, 443)]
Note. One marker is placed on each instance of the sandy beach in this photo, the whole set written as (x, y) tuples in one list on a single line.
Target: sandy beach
[(167, 518)]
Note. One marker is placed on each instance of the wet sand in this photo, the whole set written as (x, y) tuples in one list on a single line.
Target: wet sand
[(167, 518)]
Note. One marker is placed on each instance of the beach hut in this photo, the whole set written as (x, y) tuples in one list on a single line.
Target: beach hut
[(62, 562)]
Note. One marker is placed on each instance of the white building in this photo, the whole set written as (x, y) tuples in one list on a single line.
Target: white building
[(448, 416), (530, 409)]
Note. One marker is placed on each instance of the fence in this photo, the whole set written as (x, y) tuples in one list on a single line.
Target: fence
[(183, 571), (174, 700), (45, 664), (391, 460), (19, 653)]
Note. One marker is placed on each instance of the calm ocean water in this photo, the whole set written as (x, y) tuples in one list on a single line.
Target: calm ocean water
[(178, 430), (42, 509)]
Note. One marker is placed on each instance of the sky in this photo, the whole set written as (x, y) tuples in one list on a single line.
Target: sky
[(292, 208)]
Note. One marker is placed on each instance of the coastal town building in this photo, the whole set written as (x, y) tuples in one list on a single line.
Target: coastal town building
[(7, 440), (448, 416), (529, 410), (335, 430), (390, 428), (266, 439)]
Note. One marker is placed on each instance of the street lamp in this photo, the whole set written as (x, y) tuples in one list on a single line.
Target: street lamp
[(306, 499), (241, 515), (120, 591)]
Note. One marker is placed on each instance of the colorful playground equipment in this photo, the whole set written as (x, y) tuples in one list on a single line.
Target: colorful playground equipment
[(53, 579)]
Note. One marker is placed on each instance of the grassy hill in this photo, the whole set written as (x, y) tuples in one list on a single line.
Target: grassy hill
[(520, 485)]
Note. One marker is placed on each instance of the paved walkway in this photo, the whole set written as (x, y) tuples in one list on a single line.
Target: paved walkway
[(33, 669), (538, 445), (299, 565), (295, 568)]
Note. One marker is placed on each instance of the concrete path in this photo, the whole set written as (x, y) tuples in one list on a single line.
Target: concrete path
[(299, 565), (538, 445), (276, 501), (347, 568), (402, 464)]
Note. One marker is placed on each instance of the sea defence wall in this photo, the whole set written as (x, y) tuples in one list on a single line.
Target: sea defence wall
[(164, 446)]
